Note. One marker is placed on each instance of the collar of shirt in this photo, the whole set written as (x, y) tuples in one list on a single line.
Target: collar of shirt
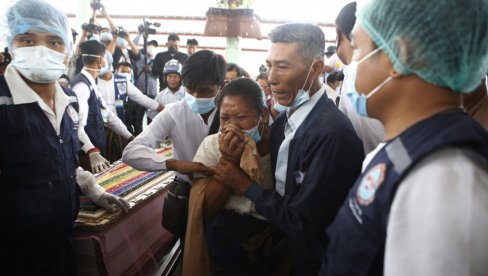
[(297, 117), (180, 91), (93, 82), (23, 94)]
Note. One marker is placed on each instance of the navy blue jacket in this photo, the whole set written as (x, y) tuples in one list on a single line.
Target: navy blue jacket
[(326, 148), (358, 234), (94, 127), (37, 177)]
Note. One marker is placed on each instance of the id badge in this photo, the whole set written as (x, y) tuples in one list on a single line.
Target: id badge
[(104, 115), (119, 103)]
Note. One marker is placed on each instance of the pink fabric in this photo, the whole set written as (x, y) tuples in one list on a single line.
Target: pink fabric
[(132, 241)]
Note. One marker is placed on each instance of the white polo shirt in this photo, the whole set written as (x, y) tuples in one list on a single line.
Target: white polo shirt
[(186, 129)]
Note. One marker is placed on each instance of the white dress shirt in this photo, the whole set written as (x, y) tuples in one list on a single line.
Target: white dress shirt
[(107, 91), (186, 129), (82, 91), (438, 223), (293, 123), (166, 97), (23, 94)]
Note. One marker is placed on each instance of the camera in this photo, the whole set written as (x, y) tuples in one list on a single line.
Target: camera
[(96, 5), (90, 27), (121, 32), (145, 28), (6, 57)]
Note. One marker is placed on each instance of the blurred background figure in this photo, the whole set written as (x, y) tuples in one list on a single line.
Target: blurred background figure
[(191, 46)]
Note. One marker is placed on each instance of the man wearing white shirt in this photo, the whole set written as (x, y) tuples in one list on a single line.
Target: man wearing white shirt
[(369, 130), (420, 205), (315, 153), (115, 88), (94, 113), (186, 122), (175, 90), (39, 147)]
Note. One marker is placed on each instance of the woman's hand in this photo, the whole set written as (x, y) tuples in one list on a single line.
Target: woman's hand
[(232, 176), (232, 143)]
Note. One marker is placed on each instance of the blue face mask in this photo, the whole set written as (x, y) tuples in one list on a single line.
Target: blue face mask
[(106, 36), (301, 97), (200, 105), (95, 37), (104, 69), (254, 132), (359, 101), (121, 42)]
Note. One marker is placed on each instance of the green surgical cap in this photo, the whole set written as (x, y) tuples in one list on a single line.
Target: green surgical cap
[(443, 42), (37, 16)]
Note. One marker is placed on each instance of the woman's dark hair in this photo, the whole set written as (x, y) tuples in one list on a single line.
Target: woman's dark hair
[(262, 76), (204, 65), (247, 89), (234, 67)]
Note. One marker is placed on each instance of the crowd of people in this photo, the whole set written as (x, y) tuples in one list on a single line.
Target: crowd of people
[(369, 157)]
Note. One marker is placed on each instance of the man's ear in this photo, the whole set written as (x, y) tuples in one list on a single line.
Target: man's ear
[(395, 74), (317, 68)]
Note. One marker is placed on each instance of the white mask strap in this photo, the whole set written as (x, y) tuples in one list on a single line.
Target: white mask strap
[(369, 55), (379, 87)]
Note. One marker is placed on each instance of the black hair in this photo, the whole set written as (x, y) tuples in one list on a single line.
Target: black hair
[(247, 89), (191, 41), (173, 37), (335, 76), (204, 65), (91, 47), (234, 67), (262, 76), (124, 63), (153, 42), (310, 39), (346, 19)]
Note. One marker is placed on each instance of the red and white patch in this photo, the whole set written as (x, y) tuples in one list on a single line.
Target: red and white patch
[(370, 183)]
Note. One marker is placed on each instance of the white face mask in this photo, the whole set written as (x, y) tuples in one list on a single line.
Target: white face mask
[(128, 76), (39, 63), (106, 36), (151, 51)]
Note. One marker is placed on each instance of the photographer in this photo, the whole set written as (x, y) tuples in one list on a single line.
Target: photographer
[(93, 31), (145, 80), (122, 53), (160, 60)]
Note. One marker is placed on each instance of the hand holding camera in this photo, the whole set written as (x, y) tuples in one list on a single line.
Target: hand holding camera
[(121, 32), (96, 5)]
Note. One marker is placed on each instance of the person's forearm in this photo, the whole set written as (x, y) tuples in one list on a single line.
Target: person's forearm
[(137, 96), (134, 48), (111, 24), (111, 46), (117, 125), (216, 195), (143, 157)]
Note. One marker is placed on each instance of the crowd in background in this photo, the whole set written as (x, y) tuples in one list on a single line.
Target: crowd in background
[(369, 157)]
